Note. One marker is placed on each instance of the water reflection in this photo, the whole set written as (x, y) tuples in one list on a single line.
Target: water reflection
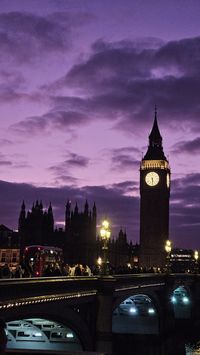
[(186, 342), (151, 345)]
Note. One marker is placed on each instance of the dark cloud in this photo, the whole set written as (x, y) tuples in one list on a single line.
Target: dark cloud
[(126, 188), (73, 161), (53, 119), (4, 141), (9, 95), (123, 161), (26, 36), (189, 147), (124, 82), (125, 150), (12, 84), (63, 179), (30, 126), (137, 44), (121, 82), (4, 161), (185, 211), (182, 55), (14, 87), (123, 158), (122, 60), (11, 78)]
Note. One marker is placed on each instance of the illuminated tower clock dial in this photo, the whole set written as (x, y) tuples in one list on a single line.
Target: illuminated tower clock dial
[(152, 178), (168, 180)]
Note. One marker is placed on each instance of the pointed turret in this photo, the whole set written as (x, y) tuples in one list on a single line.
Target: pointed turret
[(67, 215), (76, 209), (155, 136), (50, 219), (23, 211), (67, 209), (86, 209), (37, 205), (50, 209), (155, 148), (23, 206), (22, 217), (94, 211), (68, 205), (121, 234), (41, 205)]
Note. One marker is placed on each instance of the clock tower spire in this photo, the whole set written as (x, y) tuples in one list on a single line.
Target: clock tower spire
[(154, 201), (155, 148)]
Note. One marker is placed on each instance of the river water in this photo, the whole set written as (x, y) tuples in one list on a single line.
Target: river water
[(183, 342)]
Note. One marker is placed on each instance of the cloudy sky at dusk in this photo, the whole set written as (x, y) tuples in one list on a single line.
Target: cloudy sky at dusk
[(78, 84)]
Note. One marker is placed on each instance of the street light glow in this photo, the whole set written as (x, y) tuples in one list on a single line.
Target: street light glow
[(105, 234), (105, 224), (102, 233), (196, 255), (168, 246), (99, 260), (105, 231)]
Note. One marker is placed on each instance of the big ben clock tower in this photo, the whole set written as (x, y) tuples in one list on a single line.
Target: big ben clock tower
[(154, 202)]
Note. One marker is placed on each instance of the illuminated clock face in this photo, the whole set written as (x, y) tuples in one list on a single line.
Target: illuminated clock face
[(152, 178), (168, 180)]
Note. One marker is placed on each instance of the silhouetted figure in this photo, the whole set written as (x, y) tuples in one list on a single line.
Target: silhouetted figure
[(48, 271), (18, 272), (3, 337), (78, 271), (5, 272)]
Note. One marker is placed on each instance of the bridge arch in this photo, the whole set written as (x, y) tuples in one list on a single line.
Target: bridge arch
[(149, 293), (181, 299), (139, 313), (41, 334), (60, 314)]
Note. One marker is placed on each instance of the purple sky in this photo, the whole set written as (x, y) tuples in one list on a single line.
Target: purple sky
[(79, 81)]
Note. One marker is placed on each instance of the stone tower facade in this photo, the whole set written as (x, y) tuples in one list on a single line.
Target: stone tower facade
[(154, 202)]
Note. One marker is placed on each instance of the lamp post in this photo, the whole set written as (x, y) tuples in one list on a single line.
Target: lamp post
[(196, 258), (168, 248), (105, 236)]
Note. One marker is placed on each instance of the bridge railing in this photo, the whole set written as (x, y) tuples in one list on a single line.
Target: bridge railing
[(34, 290)]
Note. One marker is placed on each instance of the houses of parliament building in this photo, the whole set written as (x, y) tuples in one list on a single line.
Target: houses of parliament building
[(77, 239)]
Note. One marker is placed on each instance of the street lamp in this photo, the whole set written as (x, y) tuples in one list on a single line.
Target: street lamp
[(99, 261), (168, 248), (196, 258), (105, 236)]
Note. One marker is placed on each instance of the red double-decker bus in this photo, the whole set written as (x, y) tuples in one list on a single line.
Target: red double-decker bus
[(37, 258)]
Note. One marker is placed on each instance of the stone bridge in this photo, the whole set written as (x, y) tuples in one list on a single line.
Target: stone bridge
[(86, 304)]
